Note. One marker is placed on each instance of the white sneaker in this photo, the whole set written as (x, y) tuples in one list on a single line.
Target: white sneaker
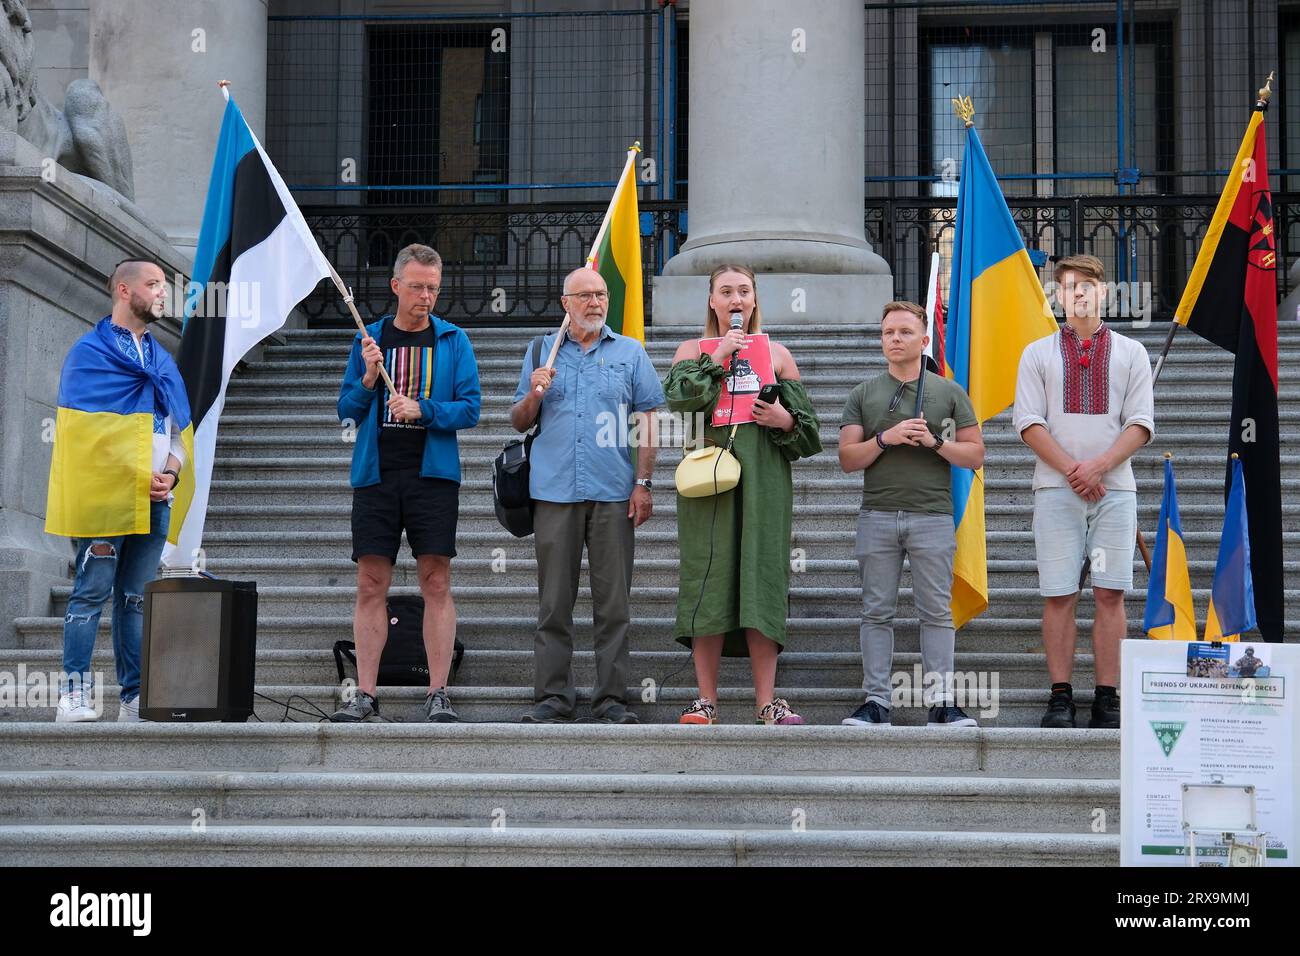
[(128, 711), (74, 707)]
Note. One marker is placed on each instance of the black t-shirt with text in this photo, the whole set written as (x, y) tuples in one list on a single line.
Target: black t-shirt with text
[(409, 358)]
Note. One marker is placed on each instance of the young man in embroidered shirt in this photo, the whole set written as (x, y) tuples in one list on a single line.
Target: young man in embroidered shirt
[(1084, 405)]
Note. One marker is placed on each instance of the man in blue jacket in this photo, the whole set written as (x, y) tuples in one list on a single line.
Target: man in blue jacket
[(406, 470)]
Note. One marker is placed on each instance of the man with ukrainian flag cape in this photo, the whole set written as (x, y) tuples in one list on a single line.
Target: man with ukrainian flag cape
[(118, 479)]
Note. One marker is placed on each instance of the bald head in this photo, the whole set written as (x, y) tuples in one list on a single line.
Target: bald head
[(584, 279), (131, 272)]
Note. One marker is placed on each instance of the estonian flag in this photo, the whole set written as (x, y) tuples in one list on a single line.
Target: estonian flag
[(1232, 601), (1170, 614), (1231, 300), (256, 259), (996, 308)]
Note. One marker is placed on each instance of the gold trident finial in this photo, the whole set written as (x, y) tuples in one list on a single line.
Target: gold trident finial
[(1235, 456), (1266, 91), (965, 109), (636, 146)]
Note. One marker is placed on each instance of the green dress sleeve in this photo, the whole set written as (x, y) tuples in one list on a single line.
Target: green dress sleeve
[(804, 440), (693, 385)]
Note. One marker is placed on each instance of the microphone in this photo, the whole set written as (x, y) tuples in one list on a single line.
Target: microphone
[(736, 321)]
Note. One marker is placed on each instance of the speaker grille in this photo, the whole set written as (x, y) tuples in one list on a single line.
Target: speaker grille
[(184, 649)]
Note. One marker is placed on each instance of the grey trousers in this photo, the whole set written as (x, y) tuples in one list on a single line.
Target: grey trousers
[(560, 532), (929, 541)]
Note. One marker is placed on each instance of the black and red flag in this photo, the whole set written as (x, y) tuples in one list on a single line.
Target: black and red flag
[(1231, 300)]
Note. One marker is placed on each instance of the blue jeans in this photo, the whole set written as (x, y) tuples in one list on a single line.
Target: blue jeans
[(131, 562)]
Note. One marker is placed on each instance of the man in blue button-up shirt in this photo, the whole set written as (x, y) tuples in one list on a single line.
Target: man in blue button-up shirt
[(586, 493)]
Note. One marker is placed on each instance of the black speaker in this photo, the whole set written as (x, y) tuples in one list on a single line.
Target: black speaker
[(199, 650)]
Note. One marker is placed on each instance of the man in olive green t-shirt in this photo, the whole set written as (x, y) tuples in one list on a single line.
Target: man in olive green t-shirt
[(907, 509)]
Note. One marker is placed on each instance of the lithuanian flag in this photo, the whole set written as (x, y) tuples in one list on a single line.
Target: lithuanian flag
[(617, 255), (996, 307), (103, 439), (1231, 300)]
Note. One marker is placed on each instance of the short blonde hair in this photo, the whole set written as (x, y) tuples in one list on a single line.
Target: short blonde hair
[(909, 307), (1089, 266)]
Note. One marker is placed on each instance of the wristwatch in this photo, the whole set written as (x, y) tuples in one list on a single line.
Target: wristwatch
[(938, 442), (175, 475), (646, 483)]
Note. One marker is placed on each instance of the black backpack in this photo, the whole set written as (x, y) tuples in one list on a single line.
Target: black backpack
[(510, 471), (403, 662)]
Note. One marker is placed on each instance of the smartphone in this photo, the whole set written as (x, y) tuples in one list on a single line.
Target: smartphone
[(768, 394)]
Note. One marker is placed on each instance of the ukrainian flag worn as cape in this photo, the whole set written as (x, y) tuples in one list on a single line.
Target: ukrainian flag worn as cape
[(103, 439)]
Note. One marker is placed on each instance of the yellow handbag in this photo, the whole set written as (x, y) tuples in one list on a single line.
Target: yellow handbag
[(708, 471)]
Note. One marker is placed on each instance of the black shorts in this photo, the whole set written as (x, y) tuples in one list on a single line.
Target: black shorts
[(425, 507)]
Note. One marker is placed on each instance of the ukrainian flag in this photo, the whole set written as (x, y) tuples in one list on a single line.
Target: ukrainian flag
[(1170, 615), (103, 439), (996, 308), (1232, 599), (617, 255)]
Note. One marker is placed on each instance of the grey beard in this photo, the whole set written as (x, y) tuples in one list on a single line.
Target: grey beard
[(588, 326)]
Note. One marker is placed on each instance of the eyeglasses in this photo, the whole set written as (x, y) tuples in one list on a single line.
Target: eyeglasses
[(587, 297), (421, 289), (898, 397)]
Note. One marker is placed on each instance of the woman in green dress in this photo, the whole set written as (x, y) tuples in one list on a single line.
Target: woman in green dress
[(734, 584)]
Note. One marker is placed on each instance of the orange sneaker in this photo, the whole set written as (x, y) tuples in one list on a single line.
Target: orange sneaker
[(701, 711)]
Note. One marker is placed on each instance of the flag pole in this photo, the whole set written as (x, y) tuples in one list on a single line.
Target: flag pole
[(591, 256), (930, 296), (224, 85)]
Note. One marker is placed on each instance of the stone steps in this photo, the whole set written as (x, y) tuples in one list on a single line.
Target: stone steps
[(500, 631), (555, 748), (522, 599), (856, 802), (333, 845), (514, 668)]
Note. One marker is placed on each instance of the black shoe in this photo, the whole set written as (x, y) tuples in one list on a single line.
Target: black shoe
[(544, 714), (1105, 712), (870, 714), (948, 715), (1060, 711), (615, 714), (361, 707)]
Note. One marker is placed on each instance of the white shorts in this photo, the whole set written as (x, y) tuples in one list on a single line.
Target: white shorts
[(1068, 529)]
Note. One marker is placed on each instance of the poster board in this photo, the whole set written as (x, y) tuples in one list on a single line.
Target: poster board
[(1195, 713)]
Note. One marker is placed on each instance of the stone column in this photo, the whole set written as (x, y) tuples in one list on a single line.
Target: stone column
[(777, 147), (158, 64), (59, 241)]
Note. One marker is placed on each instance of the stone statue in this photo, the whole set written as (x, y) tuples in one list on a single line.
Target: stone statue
[(85, 137)]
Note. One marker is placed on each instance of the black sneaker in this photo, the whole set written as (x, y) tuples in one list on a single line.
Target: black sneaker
[(615, 714), (870, 714), (1105, 712), (544, 714), (437, 708), (948, 715), (1060, 711), (361, 707)]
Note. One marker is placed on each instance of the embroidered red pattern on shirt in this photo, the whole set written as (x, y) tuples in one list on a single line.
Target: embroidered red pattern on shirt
[(1087, 372)]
